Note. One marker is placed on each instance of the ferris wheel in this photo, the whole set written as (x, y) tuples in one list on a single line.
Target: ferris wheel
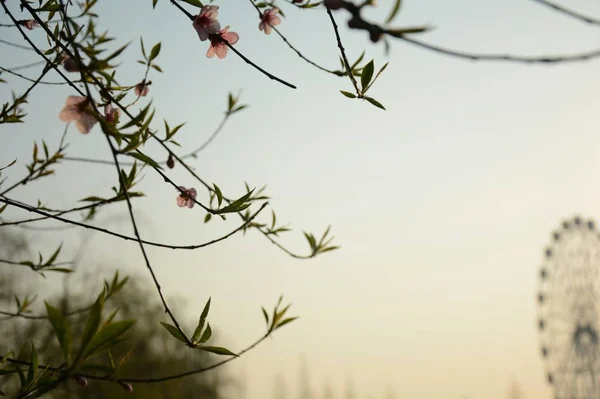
[(569, 311)]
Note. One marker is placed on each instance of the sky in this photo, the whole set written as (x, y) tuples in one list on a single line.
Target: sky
[(442, 205)]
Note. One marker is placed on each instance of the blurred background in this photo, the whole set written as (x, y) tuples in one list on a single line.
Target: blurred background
[(443, 204)]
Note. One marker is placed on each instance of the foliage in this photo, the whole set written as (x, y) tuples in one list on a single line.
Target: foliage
[(88, 343)]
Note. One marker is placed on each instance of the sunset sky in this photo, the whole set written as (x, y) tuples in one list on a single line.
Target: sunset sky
[(442, 204)]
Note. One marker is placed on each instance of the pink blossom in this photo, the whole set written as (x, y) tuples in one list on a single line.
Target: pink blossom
[(70, 64), (268, 20), (206, 23), (187, 198), (141, 89), (30, 24), (217, 46), (76, 109), (111, 114)]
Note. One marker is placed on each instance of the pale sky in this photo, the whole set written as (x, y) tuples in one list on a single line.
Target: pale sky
[(442, 205)]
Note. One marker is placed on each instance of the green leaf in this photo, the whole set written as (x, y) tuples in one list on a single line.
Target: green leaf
[(217, 350), (3, 208), (348, 94), (154, 3), (333, 248), (137, 119), (116, 53), (219, 194), (311, 240), (54, 256), (21, 378), (143, 49), (399, 32), (360, 58), (9, 165), (108, 336), (394, 11), (155, 51), (265, 314), (175, 332), (241, 107), (237, 205), (195, 3), (286, 321), (205, 310), (60, 270), (375, 102), (145, 159), (207, 334), (92, 324), (33, 366), (61, 329), (198, 330), (366, 75)]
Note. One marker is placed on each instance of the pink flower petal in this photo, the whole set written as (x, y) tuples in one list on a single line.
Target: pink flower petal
[(75, 100), (181, 201), (231, 37), (192, 192), (88, 121), (211, 51), (221, 50), (67, 114), (82, 127)]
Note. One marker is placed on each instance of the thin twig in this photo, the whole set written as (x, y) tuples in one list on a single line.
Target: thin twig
[(126, 237), (26, 66), (29, 79), (61, 212), (190, 154), (260, 14), (269, 75), (343, 52), (99, 84), (504, 57), (375, 31), (40, 317), (20, 46), (138, 237), (57, 264), (569, 12), (125, 110), (157, 379)]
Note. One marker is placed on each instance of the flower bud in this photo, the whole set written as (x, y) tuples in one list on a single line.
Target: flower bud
[(170, 161), (30, 24), (141, 89), (127, 387), (375, 36), (111, 114), (81, 381), (70, 64)]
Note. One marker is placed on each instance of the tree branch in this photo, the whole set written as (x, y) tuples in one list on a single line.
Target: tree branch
[(126, 237), (568, 12)]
